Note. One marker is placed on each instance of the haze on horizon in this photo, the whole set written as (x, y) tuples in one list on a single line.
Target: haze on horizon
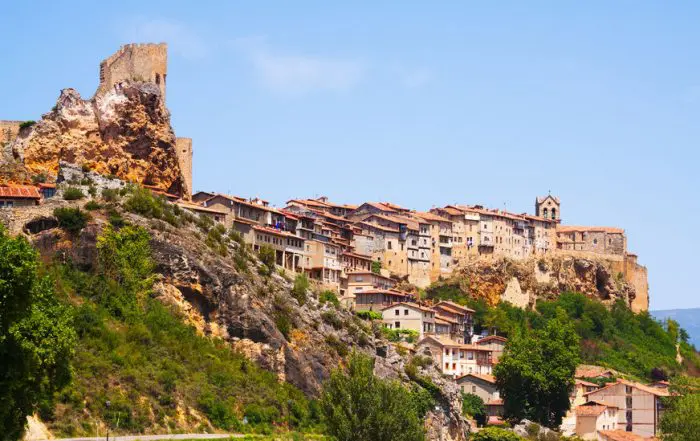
[(418, 105)]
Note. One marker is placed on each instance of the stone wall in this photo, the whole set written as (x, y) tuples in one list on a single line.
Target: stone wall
[(135, 62), (9, 131), (184, 158)]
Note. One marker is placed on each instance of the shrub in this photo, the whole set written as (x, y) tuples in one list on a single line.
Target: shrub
[(397, 335), (376, 267), (110, 194), (92, 191), (115, 219), (85, 167), (92, 205), (332, 319), (369, 315), (338, 346), (329, 296), (267, 256), (39, 179), (301, 285), (495, 434), (473, 406), (143, 202), (72, 194), (26, 124), (71, 220)]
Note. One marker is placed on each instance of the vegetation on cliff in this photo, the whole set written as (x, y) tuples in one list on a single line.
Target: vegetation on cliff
[(616, 337), (36, 337)]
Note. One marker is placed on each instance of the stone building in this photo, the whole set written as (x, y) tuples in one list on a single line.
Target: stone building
[(184, 159), (145, 62), (599, 240), (9, 131), (548, 207)]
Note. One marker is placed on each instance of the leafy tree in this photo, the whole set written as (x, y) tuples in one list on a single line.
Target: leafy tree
[(496, 434), (301, 285), (357, 405), (536, 373), (72, 194), (36, 338), (329, 296), (125, 257), (376, 267), (681, 419), (473, 406)]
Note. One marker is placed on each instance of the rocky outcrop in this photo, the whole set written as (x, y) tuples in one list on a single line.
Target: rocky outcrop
[(523, 282), (124, 131)]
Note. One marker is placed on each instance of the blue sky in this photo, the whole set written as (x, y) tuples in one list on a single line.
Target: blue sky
[(419, 103)]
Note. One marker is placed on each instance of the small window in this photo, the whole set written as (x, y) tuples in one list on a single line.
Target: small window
[(396, 312), (397, 325), (405, 312), (473, 389)]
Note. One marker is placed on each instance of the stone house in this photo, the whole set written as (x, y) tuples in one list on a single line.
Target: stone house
[(456, 320), (215, 214), (593, 417), (577, 398), (19, 196), (456, 359), (483, 386), (548, 207), (495, 343), (362, 280), (440, 240), (599, 240), (640, 406), (377, 299), (406, 315), (322, 262)]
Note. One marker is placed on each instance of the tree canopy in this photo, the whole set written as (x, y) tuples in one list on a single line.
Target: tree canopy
[(681, 419), (536, 373), (357, 405), (36, 337)]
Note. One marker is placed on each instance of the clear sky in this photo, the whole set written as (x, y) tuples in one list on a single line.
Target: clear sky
[(418, 103)]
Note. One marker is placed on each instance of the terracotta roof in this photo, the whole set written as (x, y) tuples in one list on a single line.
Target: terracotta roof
[(20, 192), (491, 338), (380, 227), (430, 216), (394, 206), (496, 402), (379, 206), (446, 341), (197, 207), (411, 224), (575, 228), (592, 371), (309, 202), (487, 378), (454, 306), (496, 421), (659, 392), (621, 435), (389, 292), (275, 231), (453, 211), (47, 185), (541, 199), (410, 305), (447, 320), (440, 321), (358, 255), (590, 410)]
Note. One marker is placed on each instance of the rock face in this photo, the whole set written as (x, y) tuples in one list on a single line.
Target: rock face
[(124, 131), (524, 282)]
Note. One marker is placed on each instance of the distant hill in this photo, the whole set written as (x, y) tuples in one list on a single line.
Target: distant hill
[(689, 320)]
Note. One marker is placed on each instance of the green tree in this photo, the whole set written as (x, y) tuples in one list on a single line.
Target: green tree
[(357, 405), (36, 337), (125, 257), (681, 419), (473, 406), (71, 219), (267, 256), (376, 267), (496, 434), (536, 373)]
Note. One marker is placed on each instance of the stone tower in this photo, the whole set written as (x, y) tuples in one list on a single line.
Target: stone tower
[(145, 62), (548, 207), (184, 158)]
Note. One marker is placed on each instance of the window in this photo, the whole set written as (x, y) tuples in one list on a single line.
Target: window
[(396, 312), (628, 402), (473, 389), (388, 245), (397, 325), (405, 312), (628, 390)]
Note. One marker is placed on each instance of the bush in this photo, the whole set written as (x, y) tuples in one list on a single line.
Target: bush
[(39, 179), (72, 220), (473, 406), (376, 267), (267, 256), (144, 203), (301, 285), (115, 219), (110, 194), (332, 319), (26, 124), (338, 346), (329, 296), (72, 194), (495, 434), (92, 205), (397, 335), (369, 315)]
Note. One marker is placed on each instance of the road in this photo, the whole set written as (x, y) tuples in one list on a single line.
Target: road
[(180, 436)]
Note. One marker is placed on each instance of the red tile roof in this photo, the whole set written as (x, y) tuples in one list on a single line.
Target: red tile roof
[(621, 435), (20, 192), (575, 228), (487, 378)]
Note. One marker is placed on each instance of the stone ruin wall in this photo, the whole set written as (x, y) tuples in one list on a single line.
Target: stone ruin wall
[(145, 62), (9, 131), (184, 158)]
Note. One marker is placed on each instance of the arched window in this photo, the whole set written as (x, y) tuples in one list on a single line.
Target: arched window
[(554, 213), (546, 212)]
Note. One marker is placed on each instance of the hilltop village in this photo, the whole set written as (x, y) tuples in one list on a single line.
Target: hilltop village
[(377, 256)]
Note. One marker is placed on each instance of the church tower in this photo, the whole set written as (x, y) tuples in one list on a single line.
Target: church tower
[(548, 207)]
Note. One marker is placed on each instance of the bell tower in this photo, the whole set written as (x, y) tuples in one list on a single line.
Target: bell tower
[(548, 207)]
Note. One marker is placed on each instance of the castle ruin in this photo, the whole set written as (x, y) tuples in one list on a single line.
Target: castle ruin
[(184, 158), (145, 62), (9, 131)]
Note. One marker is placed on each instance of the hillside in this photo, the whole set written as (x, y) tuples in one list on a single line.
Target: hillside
[(689, 319), (183, 329), (610, 335)]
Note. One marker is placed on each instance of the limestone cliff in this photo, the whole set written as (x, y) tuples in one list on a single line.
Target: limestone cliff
[(124, 131), (523, 282)]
